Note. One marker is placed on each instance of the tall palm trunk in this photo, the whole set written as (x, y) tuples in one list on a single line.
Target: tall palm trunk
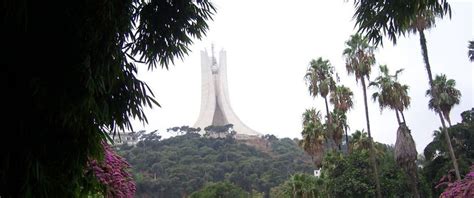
[(372, 147), (398, 117), (403, 117), (446, 116), (327, 109), (347, 141), (450, 146), (411, 171), (414, 182), (333, 146), (424, 51)]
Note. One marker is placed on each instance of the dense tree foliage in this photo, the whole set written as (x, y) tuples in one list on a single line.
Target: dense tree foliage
[(350, 175), (62, 101), (220, 189), (299, 186), (180, 165), (437, 162)]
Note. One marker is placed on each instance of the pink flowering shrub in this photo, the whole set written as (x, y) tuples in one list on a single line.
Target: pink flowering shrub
[(112, 173), (460, 189)]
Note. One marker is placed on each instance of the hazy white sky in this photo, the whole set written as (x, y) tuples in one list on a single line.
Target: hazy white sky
[(269, 45)]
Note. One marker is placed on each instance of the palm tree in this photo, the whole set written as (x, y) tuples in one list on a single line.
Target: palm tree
[(424, 20), (302, 186), (471, 50), (393, 95), (338, 126), (359, 60), (341, 98), (394, 18), (359, 140), (319, 79), (313, 135), (443, 96)]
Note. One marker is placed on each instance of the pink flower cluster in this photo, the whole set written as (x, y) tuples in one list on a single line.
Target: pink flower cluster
[(112, 172), (461, 189)]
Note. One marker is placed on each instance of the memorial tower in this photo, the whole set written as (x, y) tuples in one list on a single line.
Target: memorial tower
[(215, 103)]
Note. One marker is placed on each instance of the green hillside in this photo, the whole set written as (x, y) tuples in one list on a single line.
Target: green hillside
[(180, 165)]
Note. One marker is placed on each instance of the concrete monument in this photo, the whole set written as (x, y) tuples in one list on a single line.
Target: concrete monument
[(215, 103)]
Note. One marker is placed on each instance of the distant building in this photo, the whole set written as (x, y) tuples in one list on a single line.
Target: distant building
[(317, 172), (130, 138)]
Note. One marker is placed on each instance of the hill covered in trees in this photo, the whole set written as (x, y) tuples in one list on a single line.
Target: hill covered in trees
[(181, 165), (191, 165)]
